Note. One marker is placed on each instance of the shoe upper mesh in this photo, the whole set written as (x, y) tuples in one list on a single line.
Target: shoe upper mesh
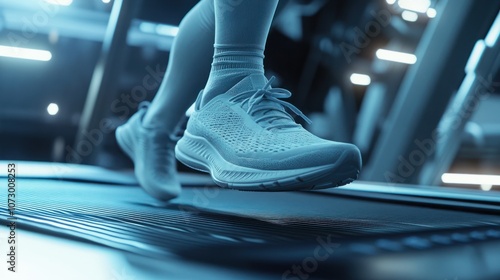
[(220, 123)]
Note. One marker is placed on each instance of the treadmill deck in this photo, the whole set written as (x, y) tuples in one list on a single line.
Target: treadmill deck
[(255, 233)]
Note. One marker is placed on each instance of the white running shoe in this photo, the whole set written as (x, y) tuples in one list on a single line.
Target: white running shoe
[(152, 152), (246, 140)]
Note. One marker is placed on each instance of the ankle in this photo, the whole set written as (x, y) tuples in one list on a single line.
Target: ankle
[(152, 121), (231, 64), (223, 82)]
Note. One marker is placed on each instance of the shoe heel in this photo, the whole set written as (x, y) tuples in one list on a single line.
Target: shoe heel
[(122, 140)]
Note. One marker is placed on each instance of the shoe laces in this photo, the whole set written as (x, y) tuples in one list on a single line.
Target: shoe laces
[(267, 107)]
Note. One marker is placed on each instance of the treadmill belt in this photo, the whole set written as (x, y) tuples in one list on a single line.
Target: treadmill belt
[(125, 218), (122, 215)]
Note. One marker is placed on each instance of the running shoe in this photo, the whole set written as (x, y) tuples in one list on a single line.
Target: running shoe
[(247, 140), (152, 152)]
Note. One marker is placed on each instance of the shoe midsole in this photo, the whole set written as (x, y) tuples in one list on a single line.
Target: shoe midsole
[(198, 153)]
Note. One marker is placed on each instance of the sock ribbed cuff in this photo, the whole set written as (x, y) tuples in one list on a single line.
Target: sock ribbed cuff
[(239, 47), (238, 57)]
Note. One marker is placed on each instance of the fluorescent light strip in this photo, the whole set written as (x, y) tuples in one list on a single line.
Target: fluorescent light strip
[(167, 30), (470, 179), (360, 79), (60, 2), (493, 34), (396, 56), (419, 6), (160, 29), (409, 16), (23, 53), (147, 27), (390, 2)]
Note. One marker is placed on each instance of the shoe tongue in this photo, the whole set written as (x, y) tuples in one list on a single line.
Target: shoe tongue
[(252, 82)]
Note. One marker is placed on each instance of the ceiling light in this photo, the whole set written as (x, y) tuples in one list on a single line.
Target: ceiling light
[(396, 56), (23, 53), (52, 109), (409, 16), (419, 6), (431, 13), (160, 29), (360, 79), (167, 30)]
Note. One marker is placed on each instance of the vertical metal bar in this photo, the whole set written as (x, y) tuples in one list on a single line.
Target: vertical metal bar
[(104, 81)]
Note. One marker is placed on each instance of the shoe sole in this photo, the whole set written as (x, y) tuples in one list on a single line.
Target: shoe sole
[(197, 153)]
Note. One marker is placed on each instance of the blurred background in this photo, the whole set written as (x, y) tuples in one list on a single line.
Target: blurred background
[(413, 83)]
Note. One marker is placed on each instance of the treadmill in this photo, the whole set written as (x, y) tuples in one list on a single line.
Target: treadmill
[(73, 227), (88, 222)]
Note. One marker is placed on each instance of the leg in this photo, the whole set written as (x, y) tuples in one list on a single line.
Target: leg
[(242, 27), (187, 70), (146, 138)]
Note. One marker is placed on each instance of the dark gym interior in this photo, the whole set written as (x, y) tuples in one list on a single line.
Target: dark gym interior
[(413, 84)]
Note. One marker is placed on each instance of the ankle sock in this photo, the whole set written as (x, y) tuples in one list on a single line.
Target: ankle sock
[(232, 63)]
